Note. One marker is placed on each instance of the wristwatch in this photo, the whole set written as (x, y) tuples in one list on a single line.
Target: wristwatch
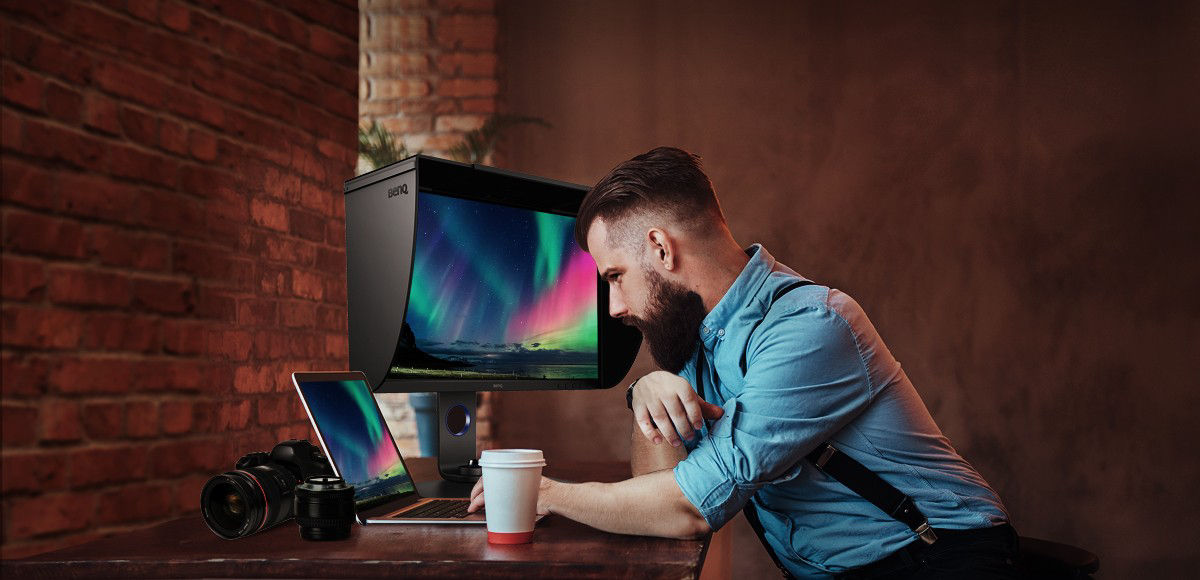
[(629, 394)]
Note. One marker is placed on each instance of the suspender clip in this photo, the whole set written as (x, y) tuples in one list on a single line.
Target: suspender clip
[(926, 533), (826, 455)]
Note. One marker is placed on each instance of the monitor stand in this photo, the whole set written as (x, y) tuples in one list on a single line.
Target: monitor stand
[(457, 461)]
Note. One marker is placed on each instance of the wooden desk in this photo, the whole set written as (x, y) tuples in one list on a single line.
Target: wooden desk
[(185, 548)]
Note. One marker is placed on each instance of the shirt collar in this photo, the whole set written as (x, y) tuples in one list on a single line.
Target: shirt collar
[(744, 288)]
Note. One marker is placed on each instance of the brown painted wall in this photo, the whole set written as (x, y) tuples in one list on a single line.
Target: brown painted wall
[(1008, 188)]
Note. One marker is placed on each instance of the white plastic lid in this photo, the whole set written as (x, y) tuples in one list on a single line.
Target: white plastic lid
[(512, 458)]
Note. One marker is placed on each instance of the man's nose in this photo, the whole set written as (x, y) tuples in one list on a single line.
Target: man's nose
[(616, 306)]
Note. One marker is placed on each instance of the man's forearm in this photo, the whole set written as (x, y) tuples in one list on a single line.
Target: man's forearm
[(646, 457), (650, 505)]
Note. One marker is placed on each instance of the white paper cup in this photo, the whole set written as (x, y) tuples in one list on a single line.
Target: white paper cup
[(511, 479)]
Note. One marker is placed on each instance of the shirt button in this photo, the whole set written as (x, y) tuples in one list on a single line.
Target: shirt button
[(721, 332)]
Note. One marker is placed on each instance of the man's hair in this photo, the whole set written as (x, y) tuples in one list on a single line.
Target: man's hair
[(667, 181)]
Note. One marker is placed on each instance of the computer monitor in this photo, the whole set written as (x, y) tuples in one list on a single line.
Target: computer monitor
[(464, 278)]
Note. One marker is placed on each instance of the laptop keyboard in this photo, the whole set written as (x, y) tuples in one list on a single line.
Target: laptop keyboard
[(439, 508)]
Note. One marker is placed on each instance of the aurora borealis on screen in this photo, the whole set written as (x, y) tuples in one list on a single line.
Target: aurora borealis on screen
[(358, 441), (497, 292)]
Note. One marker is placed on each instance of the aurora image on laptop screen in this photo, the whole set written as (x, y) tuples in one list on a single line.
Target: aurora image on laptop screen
[(358, 441), (497, 293)]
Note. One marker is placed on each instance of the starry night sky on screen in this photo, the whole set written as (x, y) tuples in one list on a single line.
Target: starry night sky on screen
[(501, 290)]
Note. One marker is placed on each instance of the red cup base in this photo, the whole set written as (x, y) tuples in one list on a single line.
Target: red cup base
[(510, 537)]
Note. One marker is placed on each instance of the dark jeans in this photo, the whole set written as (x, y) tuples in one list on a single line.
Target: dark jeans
[(985, 554)]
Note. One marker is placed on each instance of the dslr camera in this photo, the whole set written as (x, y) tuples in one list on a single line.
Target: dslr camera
[(259, 493)]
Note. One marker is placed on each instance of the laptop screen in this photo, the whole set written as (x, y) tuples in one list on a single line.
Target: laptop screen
[(357, 438)]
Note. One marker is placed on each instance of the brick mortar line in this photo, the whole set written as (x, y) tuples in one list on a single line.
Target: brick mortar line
[(122, 139), (189, 162), (219, 133), (93, 221), (137, 274), (64, 260), (138, 229), (229, 20), (301, 18), (111, 355), (156, 275), (290, 331), (116, 445), (138, 397), (163, 356), (95, 353), (22, 18), (110, 51), (108, 355), (88, 443), (85, 309), (187, 87)]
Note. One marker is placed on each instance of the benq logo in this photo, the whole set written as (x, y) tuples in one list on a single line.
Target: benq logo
[(401, 189)]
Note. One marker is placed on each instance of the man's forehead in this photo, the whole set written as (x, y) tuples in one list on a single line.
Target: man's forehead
[(606, 254)]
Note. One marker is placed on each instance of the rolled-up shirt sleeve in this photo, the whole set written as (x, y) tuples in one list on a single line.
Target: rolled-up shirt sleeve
[(805, 380)]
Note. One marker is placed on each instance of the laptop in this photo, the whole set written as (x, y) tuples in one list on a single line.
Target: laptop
[(360, 448)]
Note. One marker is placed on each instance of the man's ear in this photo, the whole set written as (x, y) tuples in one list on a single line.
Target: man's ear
[(662, 248)]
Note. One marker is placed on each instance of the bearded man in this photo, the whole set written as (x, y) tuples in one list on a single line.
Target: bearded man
[(776, 397)]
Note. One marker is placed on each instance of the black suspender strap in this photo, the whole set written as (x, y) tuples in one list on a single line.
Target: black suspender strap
[(872, 488), (752, 517), (858, 479), (862, 481)]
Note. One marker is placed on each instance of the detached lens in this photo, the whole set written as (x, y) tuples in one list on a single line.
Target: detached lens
[(325, 508)]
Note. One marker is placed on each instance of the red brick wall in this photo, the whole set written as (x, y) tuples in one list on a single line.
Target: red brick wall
[(428, 69), (173, 246), (428, 76)]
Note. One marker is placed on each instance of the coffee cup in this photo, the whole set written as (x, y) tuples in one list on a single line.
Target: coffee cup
[(511, 479)]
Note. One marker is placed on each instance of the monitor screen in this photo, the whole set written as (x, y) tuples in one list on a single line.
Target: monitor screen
[(357, 438), (497, 293)]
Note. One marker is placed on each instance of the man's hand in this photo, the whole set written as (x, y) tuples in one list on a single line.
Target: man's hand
[(543, 496), (664, 399)]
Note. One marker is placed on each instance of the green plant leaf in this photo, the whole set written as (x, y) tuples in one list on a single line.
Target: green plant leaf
[(378, 147)]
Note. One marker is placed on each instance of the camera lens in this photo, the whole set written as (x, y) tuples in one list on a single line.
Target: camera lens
[(239, 503), (227, 506), (324, 508)]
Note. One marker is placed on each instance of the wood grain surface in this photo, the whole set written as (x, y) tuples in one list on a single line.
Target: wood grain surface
[(185, 548)]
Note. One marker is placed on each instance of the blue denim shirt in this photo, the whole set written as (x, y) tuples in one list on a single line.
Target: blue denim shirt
[(794, 372)]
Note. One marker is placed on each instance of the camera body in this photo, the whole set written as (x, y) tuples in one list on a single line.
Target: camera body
[(258, 493), (301, 458)]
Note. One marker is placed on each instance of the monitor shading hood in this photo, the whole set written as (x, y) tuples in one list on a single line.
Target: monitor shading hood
[(381, 216)]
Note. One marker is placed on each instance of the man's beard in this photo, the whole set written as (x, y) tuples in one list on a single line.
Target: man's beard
[(672, 322)]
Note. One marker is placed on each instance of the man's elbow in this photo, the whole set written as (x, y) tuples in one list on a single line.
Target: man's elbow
[(691, 527)]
